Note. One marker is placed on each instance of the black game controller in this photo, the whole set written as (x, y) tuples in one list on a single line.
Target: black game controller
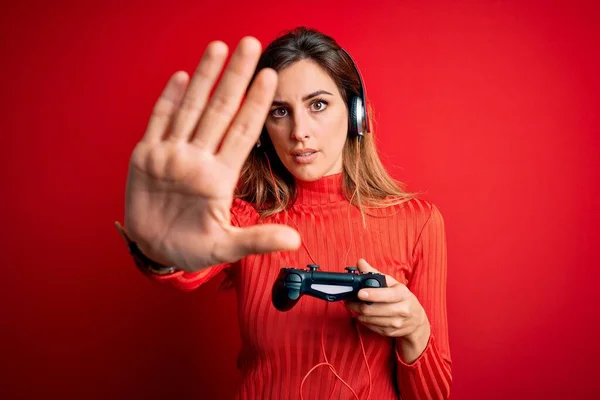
[(292, 283)]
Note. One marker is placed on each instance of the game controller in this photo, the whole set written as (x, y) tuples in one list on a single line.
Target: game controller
[(292, 283)]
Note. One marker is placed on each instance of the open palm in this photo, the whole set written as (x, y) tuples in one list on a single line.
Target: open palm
[(183, 172)]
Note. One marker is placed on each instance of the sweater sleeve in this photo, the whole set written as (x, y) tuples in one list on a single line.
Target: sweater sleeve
[(242, 214), (430, 375)]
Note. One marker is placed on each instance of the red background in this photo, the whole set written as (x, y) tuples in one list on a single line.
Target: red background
[(490, 107)]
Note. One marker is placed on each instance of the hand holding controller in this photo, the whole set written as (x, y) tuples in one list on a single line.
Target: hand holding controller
[(292, 283)]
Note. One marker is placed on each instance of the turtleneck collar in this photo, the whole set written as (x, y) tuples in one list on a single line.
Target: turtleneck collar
[(328, 189)]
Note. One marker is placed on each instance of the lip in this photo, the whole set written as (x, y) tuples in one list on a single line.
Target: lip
[(300, 151), (300, 159)]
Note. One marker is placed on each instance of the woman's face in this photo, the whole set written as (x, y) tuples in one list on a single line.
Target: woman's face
[(308, 121)]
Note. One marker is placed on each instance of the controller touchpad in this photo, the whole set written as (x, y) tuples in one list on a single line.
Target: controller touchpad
[(331, 289)]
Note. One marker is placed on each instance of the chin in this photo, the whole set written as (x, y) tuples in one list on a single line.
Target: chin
[(307, 174), (311, 171)]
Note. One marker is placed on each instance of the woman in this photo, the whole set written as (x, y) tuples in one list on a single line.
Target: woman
[(280, 182)]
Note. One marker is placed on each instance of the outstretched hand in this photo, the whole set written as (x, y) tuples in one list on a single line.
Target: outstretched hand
[(183, 172)]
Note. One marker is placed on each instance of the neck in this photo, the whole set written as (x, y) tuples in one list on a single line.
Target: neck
[(328, 189)]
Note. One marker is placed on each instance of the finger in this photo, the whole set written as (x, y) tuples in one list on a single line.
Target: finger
[(228, 95), (388, 330), (377, 329), (364, 267), (259, 239), (392, 294), (165, 107), (245, 130), (377, 309), (382, 322), (196, 96)]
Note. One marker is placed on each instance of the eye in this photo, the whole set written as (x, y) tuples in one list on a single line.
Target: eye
[(318, 105), (279, 112)]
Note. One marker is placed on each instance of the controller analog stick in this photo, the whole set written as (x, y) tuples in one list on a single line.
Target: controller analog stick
[(372, 283)]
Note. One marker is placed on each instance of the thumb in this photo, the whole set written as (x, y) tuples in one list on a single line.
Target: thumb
[(364, 266), (264, 238)]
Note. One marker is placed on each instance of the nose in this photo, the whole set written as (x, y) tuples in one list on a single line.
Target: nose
[(300, 128)]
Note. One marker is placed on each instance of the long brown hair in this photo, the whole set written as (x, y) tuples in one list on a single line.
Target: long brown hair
[(266, 182)]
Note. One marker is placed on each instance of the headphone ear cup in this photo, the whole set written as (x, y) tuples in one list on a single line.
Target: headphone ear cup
[(353, 122)]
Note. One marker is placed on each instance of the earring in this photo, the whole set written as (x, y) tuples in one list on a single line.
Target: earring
[(258, 144)]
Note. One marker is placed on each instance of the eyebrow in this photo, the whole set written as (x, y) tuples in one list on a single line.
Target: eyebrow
[(307, 97)]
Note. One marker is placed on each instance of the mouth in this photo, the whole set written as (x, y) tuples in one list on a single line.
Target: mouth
[(304, 156)]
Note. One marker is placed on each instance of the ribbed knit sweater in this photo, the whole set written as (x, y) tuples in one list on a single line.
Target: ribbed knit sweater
[(406, 241)]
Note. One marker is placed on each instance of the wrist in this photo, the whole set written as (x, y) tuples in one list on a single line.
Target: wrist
[(143, 262), (411, 346), (419, 336)]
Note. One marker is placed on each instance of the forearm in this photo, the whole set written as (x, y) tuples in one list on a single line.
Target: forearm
[(423, 359), (412, 346), (427, 377)]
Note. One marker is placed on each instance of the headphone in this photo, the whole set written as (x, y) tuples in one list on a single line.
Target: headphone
[(358, 118), (358, 123)]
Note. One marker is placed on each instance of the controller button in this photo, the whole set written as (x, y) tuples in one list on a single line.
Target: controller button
[(352, 270), (313, 267), (293, 278), (372, 283)]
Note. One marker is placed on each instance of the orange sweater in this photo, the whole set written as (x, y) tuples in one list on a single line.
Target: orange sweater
[(279, 348)]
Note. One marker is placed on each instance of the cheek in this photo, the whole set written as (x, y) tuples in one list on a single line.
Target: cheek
[(336, 129)]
